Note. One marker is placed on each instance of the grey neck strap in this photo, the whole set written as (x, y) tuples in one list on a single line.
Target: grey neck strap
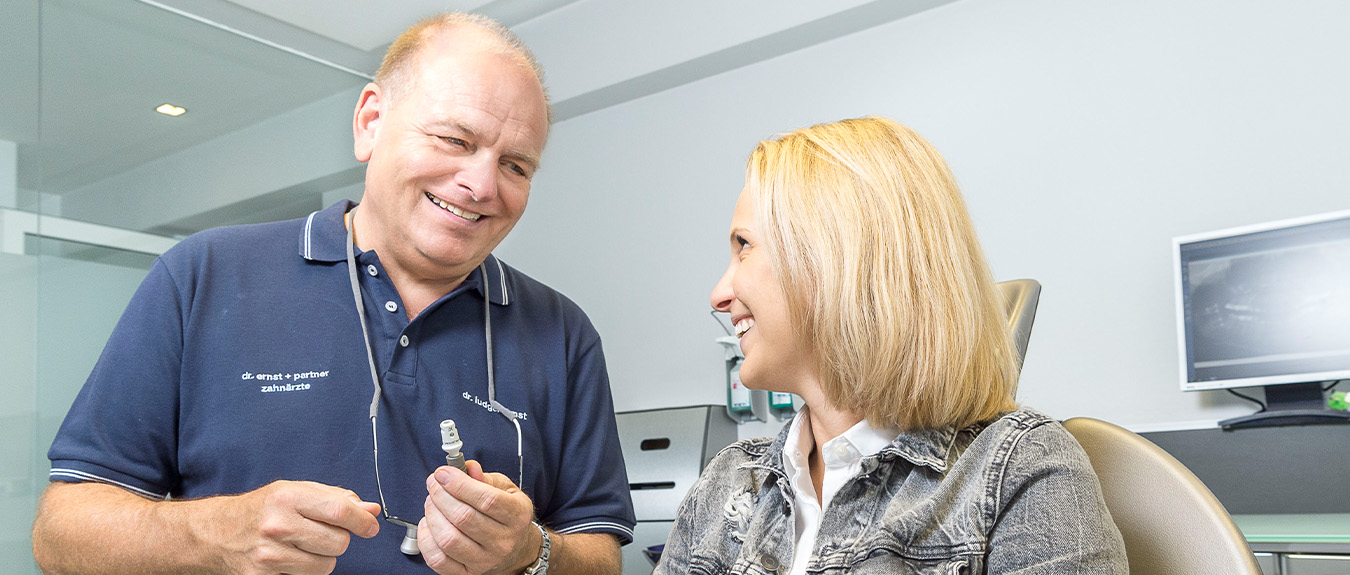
[(374, 372), (361, 312)]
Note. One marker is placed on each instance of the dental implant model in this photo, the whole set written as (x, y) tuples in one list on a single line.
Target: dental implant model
[(451, 444)]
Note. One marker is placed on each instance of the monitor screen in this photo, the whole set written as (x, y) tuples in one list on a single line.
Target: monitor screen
[(1266, 304)]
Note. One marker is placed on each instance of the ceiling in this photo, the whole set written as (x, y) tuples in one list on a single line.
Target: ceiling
[(94, 70), (254, 74), (107, 65), (381, 19)]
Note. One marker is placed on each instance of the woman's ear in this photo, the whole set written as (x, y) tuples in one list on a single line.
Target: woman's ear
[(366, 121)]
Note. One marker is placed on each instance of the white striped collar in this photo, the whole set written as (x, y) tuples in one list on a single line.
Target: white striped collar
[(323, 235), (498, 287), (323, 238)]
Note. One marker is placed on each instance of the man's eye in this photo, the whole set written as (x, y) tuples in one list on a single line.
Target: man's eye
[(516, 169), (455, 141)]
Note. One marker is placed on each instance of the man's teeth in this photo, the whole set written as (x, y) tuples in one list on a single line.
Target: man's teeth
[(452, 209), (744, 326)]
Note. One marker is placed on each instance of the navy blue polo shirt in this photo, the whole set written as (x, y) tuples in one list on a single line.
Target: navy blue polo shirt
[(239, 362)]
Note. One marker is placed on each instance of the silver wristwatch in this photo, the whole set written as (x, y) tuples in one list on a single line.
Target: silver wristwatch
[(540, 566)]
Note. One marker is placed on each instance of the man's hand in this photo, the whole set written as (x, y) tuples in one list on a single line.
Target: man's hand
[(477, 523), (286, 527)]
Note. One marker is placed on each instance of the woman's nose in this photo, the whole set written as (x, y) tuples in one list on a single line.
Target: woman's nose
[(722, 294)]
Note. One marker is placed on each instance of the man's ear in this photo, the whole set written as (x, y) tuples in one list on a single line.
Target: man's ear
[(366, 122)]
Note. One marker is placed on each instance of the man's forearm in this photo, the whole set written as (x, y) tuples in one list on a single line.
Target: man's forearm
[(98, 528), (584, 553), (283, 527)]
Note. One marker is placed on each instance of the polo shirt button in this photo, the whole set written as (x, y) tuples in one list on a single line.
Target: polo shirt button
[(391, 306), (370, 269), (403, 341)]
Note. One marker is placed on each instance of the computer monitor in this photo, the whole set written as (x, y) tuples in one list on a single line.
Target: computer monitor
[(1267, 305)]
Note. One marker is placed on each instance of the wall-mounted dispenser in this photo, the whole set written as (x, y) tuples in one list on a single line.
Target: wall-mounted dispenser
[(743, 404)]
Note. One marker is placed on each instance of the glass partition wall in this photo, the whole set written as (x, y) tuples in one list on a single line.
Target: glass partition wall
[(95, 182)]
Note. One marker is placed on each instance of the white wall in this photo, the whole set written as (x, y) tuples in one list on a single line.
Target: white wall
[(9, 175), (1085, 135)]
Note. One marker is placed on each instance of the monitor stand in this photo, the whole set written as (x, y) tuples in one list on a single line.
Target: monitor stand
[(1290, 404)]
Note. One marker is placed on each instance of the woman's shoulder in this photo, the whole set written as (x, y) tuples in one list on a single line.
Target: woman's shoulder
[(1022, 418), (737, 468), (1013, 426), (1026, 443), (1019, 441), (741, 452)]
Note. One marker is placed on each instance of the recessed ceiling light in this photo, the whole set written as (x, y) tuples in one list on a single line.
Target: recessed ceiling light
[(171, 110)]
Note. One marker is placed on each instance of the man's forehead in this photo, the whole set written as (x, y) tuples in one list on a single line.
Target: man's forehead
[(462, 36), (465, 41), (480, 79), (469, 80), (466, 72)]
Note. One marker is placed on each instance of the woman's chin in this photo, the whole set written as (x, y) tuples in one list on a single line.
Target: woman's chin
[(751, 379)]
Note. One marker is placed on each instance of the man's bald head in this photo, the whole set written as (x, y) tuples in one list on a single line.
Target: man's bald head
[(397, 73)]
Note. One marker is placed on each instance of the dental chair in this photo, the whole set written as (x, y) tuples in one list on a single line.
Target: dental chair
[(1019, 303), (1171, 523)]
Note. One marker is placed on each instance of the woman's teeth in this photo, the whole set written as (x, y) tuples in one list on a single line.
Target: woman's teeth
[(452, 209), (744, 326)]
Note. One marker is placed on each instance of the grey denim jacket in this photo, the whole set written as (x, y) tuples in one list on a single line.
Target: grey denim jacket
[(1015, 495)]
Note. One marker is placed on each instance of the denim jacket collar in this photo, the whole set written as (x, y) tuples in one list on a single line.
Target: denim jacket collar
[(925, 447)]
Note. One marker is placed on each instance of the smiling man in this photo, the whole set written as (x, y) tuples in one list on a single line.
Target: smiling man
[(257, 406)]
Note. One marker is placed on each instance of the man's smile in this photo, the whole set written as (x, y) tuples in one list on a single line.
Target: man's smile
[(452, 209)]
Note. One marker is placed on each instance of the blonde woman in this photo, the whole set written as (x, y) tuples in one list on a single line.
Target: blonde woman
[(856, 281)]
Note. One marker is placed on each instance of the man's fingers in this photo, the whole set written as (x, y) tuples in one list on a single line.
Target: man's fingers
[(505, 504), (374, 510), (474, 469), (320, 539), (289, 527), (294, 562), (351, 495), (369, 507), (451, 535), (459, 528), (432, 553), (335, 507), (502, 482), (476, 523)]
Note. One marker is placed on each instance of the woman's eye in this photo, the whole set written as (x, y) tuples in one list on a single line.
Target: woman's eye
[(741, 243)]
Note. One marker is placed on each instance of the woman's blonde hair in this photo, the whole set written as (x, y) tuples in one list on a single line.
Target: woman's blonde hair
[(876, 252)]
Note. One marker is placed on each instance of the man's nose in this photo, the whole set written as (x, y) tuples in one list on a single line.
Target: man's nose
[(479, 176)]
